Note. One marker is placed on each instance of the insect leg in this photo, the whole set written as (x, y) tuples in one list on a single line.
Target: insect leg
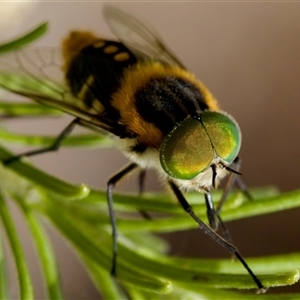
[(243, 188), (210, 211), (214, 235), (141, 181), (214, 218), (229, 185), (110, 185), (53, 147), (232, 180), (213, 214)]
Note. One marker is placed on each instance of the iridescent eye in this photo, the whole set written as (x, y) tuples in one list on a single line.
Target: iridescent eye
[(192, 145), (224, 133)]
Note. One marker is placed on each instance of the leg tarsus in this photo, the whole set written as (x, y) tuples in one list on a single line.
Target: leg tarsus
[(110, 186), (53, 147)]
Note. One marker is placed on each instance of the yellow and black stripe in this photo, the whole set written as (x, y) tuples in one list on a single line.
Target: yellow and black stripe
[(93, 69), (147, 97)]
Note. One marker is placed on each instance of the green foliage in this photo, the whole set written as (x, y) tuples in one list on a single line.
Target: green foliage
[(144, 269)]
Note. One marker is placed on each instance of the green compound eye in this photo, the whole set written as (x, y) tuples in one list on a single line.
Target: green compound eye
[(192, 145)]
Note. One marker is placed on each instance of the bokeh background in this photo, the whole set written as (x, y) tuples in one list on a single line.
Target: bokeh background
[(247, 54)]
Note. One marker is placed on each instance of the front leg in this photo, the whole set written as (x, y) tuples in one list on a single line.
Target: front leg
[(213, 234)]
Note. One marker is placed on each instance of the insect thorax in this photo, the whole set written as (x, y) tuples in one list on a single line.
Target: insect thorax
[(153, 97)]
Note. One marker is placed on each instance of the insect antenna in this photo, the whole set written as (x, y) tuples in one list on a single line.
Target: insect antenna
[(233, 171), (232, 180)]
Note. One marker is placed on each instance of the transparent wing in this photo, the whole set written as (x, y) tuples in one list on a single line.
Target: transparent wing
[(36, 74), (33, 71), (140, 38)]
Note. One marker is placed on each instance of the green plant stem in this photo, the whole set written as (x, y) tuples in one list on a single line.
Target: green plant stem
[(99, 250), (3, 275), (103, 281), (24, 109), (45, 253), (132, 262), (48, 182), (26, 289), (25, 39), (79, 140)]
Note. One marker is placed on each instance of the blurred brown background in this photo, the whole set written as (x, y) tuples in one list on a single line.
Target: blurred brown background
[(248, 55)]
